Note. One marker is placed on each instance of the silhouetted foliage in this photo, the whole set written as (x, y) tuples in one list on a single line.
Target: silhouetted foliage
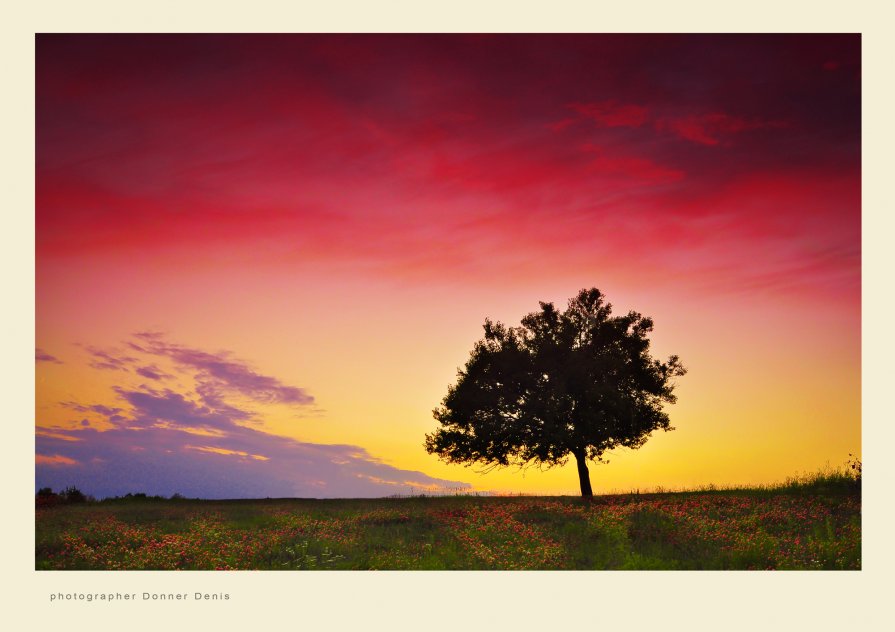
[(46, 497), (577, 382), (140, 497), (72, 494), (854, 464)]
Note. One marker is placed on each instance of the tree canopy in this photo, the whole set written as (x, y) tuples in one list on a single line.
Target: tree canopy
[(578, 382)]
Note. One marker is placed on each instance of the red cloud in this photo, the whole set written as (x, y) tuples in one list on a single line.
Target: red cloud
[(711, 129), (632, 168), (705, 129), (612, 113), (396, 156)]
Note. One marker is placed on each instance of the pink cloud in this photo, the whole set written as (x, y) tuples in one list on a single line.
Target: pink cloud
[(56, 459)]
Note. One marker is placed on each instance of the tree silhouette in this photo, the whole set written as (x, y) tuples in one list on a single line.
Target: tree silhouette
[(577, 382)]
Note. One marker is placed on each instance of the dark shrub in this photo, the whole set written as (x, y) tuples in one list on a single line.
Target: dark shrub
[(46, 497), (72, 494)]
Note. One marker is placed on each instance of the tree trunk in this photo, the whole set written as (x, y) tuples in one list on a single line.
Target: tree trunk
[(583, 474)]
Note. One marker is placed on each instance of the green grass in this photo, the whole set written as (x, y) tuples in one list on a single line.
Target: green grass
[(807, 523)]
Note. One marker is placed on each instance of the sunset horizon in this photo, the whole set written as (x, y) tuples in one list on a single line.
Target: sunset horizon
[(262, 259)]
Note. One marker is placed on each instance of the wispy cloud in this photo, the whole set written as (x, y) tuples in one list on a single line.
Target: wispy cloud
[(703, 128), (41, 432), (109, 359), (151, 408), (152, 372), (108, 413), (42, 356), (220, 373), (713, 128), (54, 460)]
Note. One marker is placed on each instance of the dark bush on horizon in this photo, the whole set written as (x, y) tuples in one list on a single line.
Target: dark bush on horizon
[(46, 497), (72, 494), (141, 497)]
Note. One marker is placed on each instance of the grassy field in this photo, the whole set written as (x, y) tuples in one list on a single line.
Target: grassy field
[(797, 526)]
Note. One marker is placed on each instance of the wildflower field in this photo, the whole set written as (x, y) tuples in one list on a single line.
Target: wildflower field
[(746, 529)]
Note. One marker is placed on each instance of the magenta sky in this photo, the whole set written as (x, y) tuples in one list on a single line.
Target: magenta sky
[(313, 228)]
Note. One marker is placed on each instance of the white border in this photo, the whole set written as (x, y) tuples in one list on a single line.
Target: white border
[(458, 600)]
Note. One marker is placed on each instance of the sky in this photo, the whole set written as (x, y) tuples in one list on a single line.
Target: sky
[(261, 259)]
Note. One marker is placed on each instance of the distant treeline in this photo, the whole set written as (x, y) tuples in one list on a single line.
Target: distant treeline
[(46, 497)]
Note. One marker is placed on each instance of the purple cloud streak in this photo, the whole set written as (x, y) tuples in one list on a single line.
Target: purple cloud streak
[(198, 444)]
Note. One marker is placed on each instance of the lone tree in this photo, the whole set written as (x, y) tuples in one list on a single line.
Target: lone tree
[(577, 382)]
